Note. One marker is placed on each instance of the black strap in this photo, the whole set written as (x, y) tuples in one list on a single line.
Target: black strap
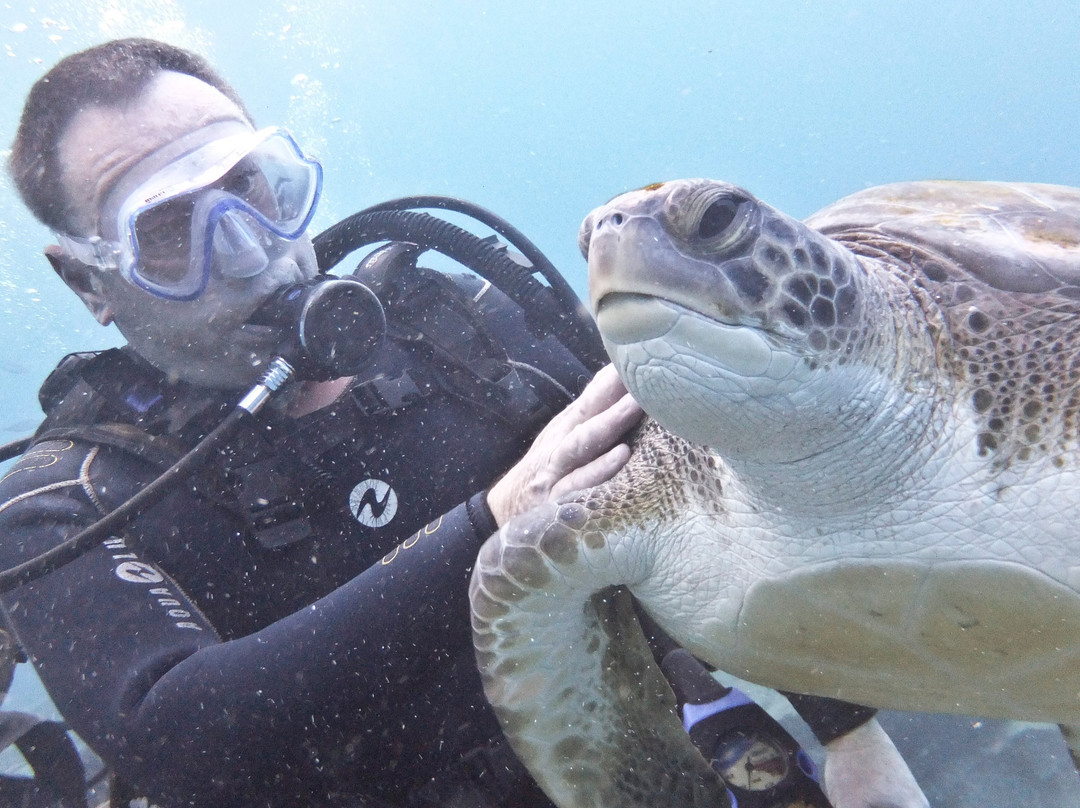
[(59, 777), (829, 718)]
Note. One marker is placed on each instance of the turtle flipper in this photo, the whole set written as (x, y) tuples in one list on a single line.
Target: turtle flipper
[(570, 675)]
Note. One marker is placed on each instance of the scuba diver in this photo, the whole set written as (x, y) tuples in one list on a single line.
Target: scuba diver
[(265, 602)]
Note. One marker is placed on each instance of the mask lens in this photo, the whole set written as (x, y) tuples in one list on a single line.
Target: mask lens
[(275, 183), (284, 187), (228, 222), (162, 234)]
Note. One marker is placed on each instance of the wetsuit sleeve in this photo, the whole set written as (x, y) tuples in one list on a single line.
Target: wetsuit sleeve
[(273, 717), (102, 627), (384, 661), (829, 718)]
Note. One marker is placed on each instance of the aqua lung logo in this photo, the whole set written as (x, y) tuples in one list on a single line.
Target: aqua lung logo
[(373, 503), (136, 572)]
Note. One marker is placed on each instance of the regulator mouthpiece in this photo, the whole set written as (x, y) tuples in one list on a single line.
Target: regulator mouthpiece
[(333, 326)]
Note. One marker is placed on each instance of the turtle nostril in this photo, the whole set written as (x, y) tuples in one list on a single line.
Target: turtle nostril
[(616, 219)]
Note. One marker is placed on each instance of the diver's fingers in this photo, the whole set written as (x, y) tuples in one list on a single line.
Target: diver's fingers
[(604, 390), (583, 432), (598, 471), (591, 438)]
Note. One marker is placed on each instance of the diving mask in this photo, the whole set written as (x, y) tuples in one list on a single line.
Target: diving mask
[(222, 199)]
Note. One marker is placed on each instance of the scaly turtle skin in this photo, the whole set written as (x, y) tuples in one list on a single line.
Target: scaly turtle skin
[(865, 484)]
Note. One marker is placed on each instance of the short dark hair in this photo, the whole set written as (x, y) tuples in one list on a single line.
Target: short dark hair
[(109, 74)]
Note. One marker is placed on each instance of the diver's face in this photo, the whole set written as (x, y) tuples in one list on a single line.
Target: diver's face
[(204, 341)]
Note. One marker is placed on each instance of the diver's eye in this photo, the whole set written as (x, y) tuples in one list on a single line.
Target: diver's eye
[(717, 218)]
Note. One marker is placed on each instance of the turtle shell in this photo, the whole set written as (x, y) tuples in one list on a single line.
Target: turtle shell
[(1014, 237), (1002, 263)]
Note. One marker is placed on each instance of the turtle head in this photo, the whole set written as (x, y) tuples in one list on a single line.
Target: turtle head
[(727, 319)]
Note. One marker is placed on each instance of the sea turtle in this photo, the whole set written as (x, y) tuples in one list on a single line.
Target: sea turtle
[(861, 481)]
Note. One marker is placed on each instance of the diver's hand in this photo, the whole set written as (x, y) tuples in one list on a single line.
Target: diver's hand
[(580, 447), (863, 769)]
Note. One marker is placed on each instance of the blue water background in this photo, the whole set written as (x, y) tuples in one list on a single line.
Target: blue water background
[(541, 111)]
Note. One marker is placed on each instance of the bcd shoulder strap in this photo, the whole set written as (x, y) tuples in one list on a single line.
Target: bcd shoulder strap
[(436, 317), (116, 398), (113, 398)]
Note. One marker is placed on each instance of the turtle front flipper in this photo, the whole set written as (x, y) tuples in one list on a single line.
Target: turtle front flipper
[(568, 671)]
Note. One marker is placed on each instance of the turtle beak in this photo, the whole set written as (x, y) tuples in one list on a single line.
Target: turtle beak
[(601, 241)]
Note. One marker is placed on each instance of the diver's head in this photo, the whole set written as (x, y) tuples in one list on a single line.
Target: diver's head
[(111, 74), (178, 220)]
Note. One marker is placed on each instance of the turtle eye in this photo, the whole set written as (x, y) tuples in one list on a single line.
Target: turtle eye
[(709, 217), (717, 218)]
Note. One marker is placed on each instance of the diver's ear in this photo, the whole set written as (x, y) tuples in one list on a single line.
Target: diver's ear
[(82, 280)]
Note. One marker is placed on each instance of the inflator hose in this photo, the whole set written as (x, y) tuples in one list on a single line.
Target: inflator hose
[(15, 448), (112, 522)]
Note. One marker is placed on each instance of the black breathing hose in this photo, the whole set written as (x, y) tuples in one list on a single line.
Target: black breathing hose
[(115, 520), (514, 236), (14, 448), (553, 309)]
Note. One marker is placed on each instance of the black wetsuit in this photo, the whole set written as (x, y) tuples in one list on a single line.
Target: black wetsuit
[(291, 626)]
